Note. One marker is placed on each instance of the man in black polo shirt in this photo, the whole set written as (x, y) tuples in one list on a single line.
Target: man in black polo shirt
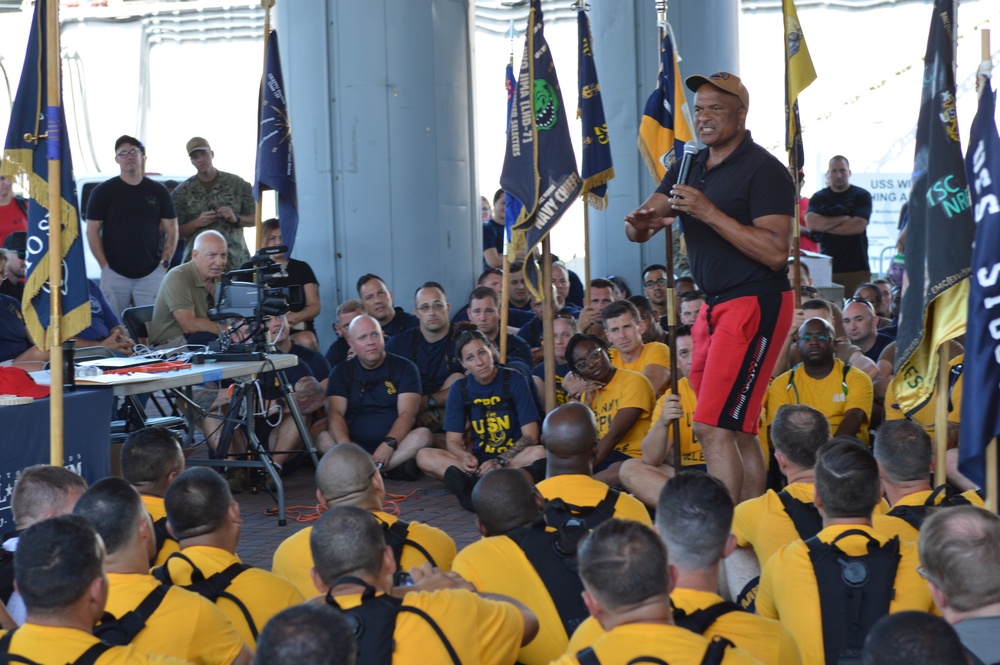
[(430, 348), (377, 299), (736, 215)]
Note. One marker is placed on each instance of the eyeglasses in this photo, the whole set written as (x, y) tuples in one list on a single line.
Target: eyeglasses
[(866, 301), (122, 154), (428, 306), (808, 337), (655, 282), (591, 357), (21, 254)]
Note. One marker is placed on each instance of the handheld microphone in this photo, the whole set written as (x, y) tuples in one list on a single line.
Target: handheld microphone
[(690, 150)]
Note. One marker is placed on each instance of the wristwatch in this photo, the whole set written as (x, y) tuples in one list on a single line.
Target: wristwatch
[(391, 442), (431, 402), (166, 264)]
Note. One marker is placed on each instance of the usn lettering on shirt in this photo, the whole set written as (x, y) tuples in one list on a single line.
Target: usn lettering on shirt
[(493, 431), (605, 414)]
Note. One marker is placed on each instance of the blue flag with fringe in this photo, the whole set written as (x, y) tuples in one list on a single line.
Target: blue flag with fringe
[(597, 169), (275, 157), (539, 167), (36, 134), (981, 372)]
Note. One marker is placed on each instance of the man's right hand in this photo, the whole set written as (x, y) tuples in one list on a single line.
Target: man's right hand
[(469, 462), (647, 219), (429, 578), (206, 218)]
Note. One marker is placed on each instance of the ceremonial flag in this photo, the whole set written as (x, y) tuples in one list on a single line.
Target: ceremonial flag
[(799, 73), (35, 135), (539, 168), (597, 168), (940, 231), (512, 207), (275, 157), (980, 415), (664, 128)]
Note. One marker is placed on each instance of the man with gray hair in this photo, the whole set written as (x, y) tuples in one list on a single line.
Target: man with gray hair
[(960, 557), (180, 314)]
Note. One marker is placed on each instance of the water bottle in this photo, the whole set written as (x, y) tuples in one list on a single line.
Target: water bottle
[(86, 371), (69, 380)]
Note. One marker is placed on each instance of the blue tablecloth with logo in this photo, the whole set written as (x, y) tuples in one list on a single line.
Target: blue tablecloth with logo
[(25, 440)]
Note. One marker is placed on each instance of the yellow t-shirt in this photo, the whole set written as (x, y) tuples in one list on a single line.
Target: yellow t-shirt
[(497, 565), (653, 353), (627, 390), (765, 639), (891, 525), (691, 453), (833, 396), (185, 624), (154, 506), (788, 591), (263, 593), (584, 491), (481, 631), (293, 559), (677, 646), (763, 523), (56, 645)]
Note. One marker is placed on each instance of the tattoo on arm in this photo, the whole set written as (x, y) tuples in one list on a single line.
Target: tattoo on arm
[(515, 450)]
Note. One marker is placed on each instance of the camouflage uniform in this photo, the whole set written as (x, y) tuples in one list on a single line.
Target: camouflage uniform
[(191, 199)]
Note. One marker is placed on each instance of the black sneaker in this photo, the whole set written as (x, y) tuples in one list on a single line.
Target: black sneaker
[(459, 484)]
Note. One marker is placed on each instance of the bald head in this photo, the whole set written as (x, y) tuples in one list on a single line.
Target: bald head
[(345, 477), (504, 500), (570, 431)]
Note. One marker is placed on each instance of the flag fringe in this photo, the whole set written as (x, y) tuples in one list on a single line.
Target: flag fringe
[(20, 163)]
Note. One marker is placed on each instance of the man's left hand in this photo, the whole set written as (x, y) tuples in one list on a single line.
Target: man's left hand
[(693, 202)]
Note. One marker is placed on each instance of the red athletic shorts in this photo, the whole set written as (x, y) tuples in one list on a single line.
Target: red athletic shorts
[(736, 345)]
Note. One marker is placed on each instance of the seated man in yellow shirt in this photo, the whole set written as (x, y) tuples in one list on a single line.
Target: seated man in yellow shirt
[(627, 589), (693, 517), (621, 400), (905, 456), (309, 633), (830, 590), (623, 327), (206, 521), (518, 556), (840, 392), (151, 459), (440, 612), (764, 525), (59, 569), (346, 476), (182, 623), (646, 477), (569, 434)]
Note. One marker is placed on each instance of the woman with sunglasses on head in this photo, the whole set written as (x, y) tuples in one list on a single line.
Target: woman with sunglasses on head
[(490, 421), (622, 401)]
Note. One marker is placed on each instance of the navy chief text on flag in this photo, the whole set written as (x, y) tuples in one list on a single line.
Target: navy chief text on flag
[(539, 167)]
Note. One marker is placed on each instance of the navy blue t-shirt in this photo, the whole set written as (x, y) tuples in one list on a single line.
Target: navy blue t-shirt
[(496, 414), (493, 234), (311, 363), (400, 322), (561, 371), (337, 352), (436, 361), (13, 334), (372, 395)]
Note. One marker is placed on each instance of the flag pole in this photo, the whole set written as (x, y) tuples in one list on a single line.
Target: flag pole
[(675, 426), (548, 317), (54, 332), (941, 416), (992, 488), (258, 213)]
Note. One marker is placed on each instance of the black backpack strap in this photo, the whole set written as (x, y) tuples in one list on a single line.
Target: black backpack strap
[(912, 515), (857, 591), (701, 620), (121, 631), (437, 629), (556, 569), (604, 510), (804, 515), (396, 537), (6, 656), (716, 651), (162, 535), (587, 657), (213, 587), (91, 655)]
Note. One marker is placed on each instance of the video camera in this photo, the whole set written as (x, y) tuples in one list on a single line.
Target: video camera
[(257, 298)]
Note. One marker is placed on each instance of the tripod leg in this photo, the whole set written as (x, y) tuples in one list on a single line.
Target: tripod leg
[(263, 456)]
